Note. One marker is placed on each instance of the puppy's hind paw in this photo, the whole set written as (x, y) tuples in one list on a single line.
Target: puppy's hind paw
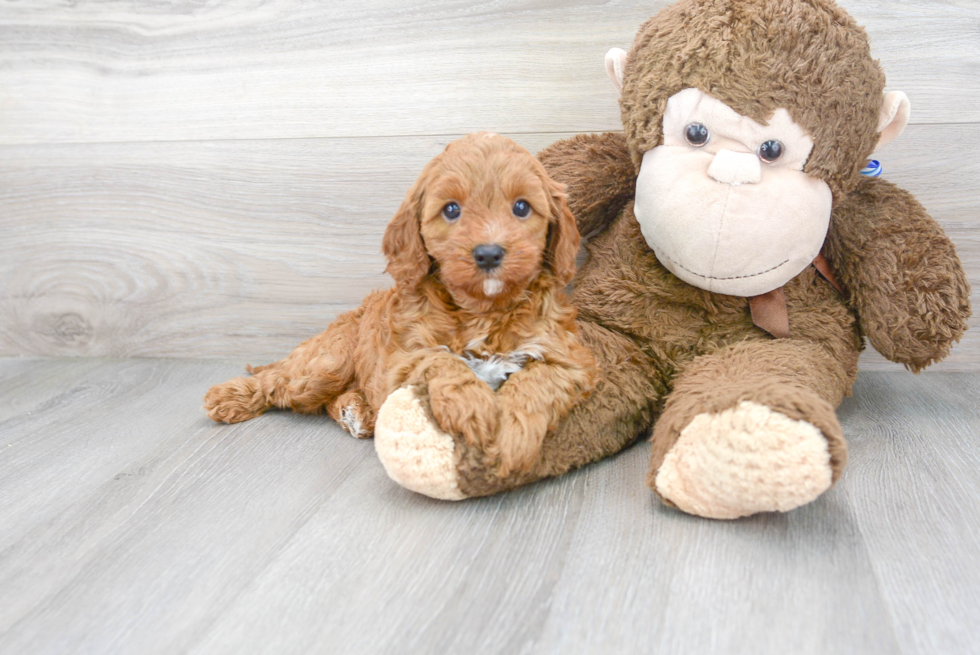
[(234, 401), (352, 412)]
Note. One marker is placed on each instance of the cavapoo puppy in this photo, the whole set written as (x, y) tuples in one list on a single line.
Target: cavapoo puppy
[(481, 250)]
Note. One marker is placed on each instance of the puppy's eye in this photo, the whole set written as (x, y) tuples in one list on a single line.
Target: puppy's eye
[(451, 211), (521, 209), (770, 151), (696, 134)]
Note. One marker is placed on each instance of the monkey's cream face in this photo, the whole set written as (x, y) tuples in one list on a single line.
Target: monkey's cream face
[(724, 202)]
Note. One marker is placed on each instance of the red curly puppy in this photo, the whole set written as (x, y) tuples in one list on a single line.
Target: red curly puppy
[(481, 250)]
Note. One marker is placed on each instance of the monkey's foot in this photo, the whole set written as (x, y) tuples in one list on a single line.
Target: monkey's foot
[(413, 450), (745, 460)]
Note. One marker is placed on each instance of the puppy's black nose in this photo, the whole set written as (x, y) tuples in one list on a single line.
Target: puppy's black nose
[(488, 256)]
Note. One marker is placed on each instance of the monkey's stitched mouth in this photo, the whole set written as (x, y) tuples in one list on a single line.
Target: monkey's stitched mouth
[(709, 277)]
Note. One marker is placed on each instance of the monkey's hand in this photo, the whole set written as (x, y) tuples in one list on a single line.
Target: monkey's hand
[(599, 175), (901, 273)]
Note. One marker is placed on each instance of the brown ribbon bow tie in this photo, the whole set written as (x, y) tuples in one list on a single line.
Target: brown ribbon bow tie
[(769, 310)]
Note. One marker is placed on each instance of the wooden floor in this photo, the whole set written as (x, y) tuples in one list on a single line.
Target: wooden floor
[(129, 523)]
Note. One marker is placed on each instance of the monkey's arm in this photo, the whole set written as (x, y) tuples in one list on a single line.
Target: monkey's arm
[(901, 272), (599, 174)]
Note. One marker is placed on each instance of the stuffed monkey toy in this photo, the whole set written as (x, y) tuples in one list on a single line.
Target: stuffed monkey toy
[(736, 260)]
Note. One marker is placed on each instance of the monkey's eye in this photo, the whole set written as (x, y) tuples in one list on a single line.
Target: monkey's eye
[(770, 151), (521, 209), (696, 134), (451, 211)]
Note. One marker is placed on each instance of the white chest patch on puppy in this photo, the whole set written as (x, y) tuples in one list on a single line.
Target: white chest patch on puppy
[(494, 369)]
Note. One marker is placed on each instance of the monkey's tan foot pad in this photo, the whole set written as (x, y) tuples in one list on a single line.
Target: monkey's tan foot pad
[(745, 460), (413, 450)]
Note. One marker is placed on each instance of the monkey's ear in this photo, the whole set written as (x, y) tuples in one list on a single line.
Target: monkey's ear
[(893, 117), (408, 261), (616, 66)]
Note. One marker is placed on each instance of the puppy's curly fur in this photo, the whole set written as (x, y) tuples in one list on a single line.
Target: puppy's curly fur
[(449, 320)]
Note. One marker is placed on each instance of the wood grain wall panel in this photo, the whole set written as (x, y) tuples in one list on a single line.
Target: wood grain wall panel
[(127, 70), (241, 249), (195, 249)]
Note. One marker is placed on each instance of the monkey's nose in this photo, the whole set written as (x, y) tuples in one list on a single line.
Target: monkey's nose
[(488, 256), (730, 167)]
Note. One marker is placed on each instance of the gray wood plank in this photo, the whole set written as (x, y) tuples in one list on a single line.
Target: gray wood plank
[(131, 504), (243, 249), (446, 577), (914, 489), (136, 71), (30, 386), (658, 581), (132, 524)]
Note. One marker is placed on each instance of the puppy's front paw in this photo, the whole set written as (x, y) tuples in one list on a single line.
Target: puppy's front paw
[(468, 408), (235, 401), (518, 443)]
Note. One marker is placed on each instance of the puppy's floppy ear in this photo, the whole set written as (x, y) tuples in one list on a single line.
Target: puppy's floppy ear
[(408, 261), (563, 236)]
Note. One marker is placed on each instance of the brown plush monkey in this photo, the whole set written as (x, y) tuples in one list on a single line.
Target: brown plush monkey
[(707, 298)]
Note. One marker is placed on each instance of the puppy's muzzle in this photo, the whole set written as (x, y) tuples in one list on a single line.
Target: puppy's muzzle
[(488, 256)]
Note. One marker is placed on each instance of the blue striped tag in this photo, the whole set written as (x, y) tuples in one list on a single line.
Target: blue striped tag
[(873, 169)]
